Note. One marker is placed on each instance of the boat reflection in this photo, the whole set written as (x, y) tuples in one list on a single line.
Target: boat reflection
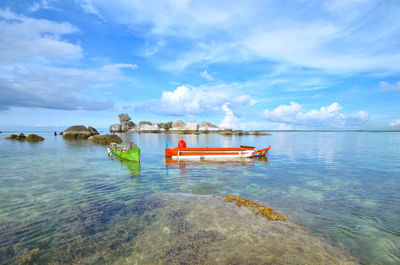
[(173, 163), (132, 166)]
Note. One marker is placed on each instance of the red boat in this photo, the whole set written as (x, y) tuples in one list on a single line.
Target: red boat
[(206, 153)]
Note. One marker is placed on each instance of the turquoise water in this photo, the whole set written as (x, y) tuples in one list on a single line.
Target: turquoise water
[(344, 187)]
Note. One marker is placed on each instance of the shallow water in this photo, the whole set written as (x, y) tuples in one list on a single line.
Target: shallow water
[(57, 196)]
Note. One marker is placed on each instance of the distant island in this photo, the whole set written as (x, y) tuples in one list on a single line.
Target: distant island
[(178, 126)]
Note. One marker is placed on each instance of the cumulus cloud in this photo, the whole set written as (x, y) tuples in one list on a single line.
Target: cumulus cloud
[(395, 123), (329, 116), (24, 38), (201, 100), (56, 88), (43, 4), (230, 121), (385, 86), (206, 76)]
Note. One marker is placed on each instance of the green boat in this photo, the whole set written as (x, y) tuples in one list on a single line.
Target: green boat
[(132, 153)]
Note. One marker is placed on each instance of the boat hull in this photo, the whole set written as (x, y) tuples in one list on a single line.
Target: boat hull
[(132, 155), (198, 153)]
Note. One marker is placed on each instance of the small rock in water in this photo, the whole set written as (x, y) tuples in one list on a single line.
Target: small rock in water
[(11, 137), (21, 137), (105, 139), (34, 138)]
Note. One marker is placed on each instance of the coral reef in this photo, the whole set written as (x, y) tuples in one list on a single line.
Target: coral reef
[(258, 209)]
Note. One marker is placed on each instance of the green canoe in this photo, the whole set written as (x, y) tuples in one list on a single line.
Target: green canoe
[(131, 154)]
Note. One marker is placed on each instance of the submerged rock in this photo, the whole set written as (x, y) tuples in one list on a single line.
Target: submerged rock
[(105, 139), (166, 229), (205, 229), (34, 138)]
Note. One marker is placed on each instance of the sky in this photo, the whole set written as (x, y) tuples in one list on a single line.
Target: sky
[(247, 65)]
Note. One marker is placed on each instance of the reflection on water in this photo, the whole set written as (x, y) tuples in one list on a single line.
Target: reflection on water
[(132, 166), (66, 202)]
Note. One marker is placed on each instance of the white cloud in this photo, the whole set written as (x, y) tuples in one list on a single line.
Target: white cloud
[(284, 126), (385, 86), (230, 121), (24, 38), (204, 99), (395, 123), (206, 76), (57, 88), (42, 4), (329, 116), (345, 36)]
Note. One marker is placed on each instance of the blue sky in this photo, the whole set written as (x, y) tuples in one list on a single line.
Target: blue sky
[(242, 64)]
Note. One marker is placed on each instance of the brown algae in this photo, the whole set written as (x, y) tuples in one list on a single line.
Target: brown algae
[(258, 209)]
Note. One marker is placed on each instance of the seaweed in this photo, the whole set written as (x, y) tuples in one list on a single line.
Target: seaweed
[(258, 209)]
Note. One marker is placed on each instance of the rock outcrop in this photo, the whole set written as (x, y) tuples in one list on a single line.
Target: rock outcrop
[(78, 132), (178, 125), (125, 124), (115, 128), (11, 137), (93, 130), (34, 138), (191, 126), (205, 127), (105, 139), (21, 137), (124, 117), (258, 133)]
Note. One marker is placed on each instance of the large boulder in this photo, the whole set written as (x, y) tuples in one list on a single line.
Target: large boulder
[(105, 139), (115, 128), (77, 132), (11, 137), (127, 125), (154, 127), (21, 137), (208, 126), (178, 125), (124, 117), (191, 126), (34, 138)]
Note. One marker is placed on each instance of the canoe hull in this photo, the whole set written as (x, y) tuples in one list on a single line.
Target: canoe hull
[(132, 155), (228, 153)]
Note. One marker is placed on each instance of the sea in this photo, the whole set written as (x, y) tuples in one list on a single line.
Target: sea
[(68, 202)]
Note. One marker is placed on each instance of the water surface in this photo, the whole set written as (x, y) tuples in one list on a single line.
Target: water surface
[(57, 196)]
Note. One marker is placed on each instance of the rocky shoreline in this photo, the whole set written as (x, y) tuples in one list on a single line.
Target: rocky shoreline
[(178, 127)]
